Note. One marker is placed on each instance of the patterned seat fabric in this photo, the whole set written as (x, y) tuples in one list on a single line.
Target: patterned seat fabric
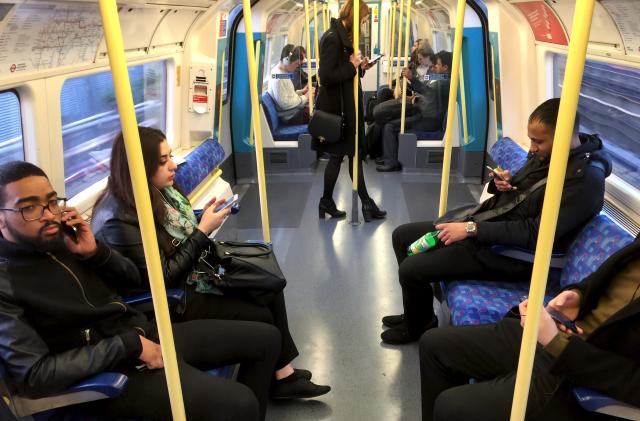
[(482, 302), (199, 164), (508, 155), (280, 131)]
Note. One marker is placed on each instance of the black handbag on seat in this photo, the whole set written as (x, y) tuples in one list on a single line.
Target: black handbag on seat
[(327, 127)]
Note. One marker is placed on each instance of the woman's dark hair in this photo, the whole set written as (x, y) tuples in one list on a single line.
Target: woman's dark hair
[(547, 114), (292, 52), (119, 182), (346, 14)]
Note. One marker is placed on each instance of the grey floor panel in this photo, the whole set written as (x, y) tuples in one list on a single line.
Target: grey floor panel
[(423, 199), (341, 280)]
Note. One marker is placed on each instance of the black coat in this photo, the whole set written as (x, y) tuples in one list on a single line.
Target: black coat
[(117, 225), (609, 359), (335, 70)]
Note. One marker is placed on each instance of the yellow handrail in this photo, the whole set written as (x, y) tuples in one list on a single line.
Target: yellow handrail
[(221, 99), (316, 42), (255, 118), (396, 91), (325, 17), (495, 93), (391, 40), (453, 90), (356, 95), (553, 194), (463, 104), (251, 132), (407, 32), (124, 98), (306, 27)]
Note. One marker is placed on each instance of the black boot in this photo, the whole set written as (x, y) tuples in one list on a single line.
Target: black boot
[(371, 211), (329, 206)]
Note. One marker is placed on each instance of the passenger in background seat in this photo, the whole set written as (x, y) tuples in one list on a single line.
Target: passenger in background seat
[(602, 354), (292, 105), (467, 234), (59, 323), (182, 240)]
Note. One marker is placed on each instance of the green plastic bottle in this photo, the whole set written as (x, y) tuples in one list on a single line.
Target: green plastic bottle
[(423, 243)]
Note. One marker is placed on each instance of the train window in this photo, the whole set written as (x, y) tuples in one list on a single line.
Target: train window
[(11, 144), (90, 119), (609, 105)]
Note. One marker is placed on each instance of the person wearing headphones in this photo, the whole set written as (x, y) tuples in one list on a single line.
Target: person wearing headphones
[(291, 103)]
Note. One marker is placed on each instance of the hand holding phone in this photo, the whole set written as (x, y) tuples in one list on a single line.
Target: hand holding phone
[(229, 202), (496, 173), (375, 58), (562, 319)]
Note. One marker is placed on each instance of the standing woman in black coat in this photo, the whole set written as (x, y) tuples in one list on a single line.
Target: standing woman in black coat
[(338, 64)]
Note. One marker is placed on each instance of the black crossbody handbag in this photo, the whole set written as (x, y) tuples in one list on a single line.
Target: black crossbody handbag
[(328, 127)]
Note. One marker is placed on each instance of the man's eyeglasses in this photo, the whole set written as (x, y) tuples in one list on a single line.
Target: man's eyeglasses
[(35, 212)]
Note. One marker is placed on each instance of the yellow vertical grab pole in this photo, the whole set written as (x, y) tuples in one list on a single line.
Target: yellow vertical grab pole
[(407, 32), (463, 104), (453, 90), (392, 37), (124, 98), (356, 94), (308, 32), (255, 118), (315, 41), (251, 132), (325, 17), (221, 99), (495, 92), (399, 65), (553, 194)]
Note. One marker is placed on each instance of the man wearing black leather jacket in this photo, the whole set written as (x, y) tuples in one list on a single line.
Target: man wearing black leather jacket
[(511, 218), (60, 323)]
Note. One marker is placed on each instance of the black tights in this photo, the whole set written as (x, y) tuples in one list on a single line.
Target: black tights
[(332, 171)]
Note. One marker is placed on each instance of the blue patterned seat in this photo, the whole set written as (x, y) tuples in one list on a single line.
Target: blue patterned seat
[(508, 155), (199, 164), (278, 130)]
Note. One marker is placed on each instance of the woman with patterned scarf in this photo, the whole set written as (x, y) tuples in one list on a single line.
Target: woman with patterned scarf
[(182, 239)]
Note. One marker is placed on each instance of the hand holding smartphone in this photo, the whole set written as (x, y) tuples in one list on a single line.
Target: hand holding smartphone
[(375, 58), (230, 202), (561, 319), (496, 173)]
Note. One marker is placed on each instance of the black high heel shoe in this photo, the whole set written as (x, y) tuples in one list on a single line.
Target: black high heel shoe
[(371, 211), (329, 206)]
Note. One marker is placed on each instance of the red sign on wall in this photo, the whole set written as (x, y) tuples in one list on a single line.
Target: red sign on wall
[(544, 23)]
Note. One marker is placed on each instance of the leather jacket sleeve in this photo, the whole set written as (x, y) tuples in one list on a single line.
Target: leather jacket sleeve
[(115, 268), (35, 371)]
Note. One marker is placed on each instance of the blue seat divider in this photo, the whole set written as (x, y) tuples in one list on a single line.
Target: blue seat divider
[(278, 130), (437, 135), (174, 297), (199, 164), (593, 401), (224, 372), (109, 384)]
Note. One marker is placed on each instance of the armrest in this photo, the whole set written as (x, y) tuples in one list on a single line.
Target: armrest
[(174, 296), (109, 384), (593, 401), (225, 372), (558, 260)]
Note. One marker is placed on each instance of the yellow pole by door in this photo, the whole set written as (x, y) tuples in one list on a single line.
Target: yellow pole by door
[(325, 17), (251, 137), (124, 98), (582, 18), (463, 104), (316, 42), (392, 37), (453, 91), (399, 65), (308, 31), (356, 94), (495, 93), (255, 118), (407, 32), (221, 99)]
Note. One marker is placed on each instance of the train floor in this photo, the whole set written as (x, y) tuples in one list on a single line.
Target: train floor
[(341, 280)]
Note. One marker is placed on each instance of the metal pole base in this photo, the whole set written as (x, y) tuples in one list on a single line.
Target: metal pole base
[(354, 209)]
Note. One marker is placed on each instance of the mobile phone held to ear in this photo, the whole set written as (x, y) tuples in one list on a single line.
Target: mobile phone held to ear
[(231, 202), (496, 173), (70, 232), (562, 319)]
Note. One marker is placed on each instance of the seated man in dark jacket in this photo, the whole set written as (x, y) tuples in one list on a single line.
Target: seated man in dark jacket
[(604, 353), (425, 110), (59, 323), (511, 217)]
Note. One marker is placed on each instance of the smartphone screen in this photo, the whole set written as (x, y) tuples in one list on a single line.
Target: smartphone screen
[(375, 58), (560, 318), (496, 173), (233, 199)]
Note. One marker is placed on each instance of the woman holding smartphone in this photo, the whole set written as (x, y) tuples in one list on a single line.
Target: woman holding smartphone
[(339, 64), (182, 238)]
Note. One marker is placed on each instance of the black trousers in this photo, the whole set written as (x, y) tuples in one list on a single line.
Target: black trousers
[(450, 356), (239, 307), (391, 130), (202, 345), (464, 259)]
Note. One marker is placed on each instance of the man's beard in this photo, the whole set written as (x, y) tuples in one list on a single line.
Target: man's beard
[(40, 243)]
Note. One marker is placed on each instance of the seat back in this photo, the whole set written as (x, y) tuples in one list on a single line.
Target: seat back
[(599, 239), (199, 164), (270, 111), (508, 155)]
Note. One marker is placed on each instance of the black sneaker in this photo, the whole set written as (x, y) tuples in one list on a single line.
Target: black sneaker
[(393, 321), (300, 372), (293, 387), (402, 335)]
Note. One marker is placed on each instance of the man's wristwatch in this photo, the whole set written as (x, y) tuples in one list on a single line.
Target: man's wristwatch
[(471, 229)]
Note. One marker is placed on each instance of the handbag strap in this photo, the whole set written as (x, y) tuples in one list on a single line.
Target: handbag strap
[(492, 213), (267, 249)]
